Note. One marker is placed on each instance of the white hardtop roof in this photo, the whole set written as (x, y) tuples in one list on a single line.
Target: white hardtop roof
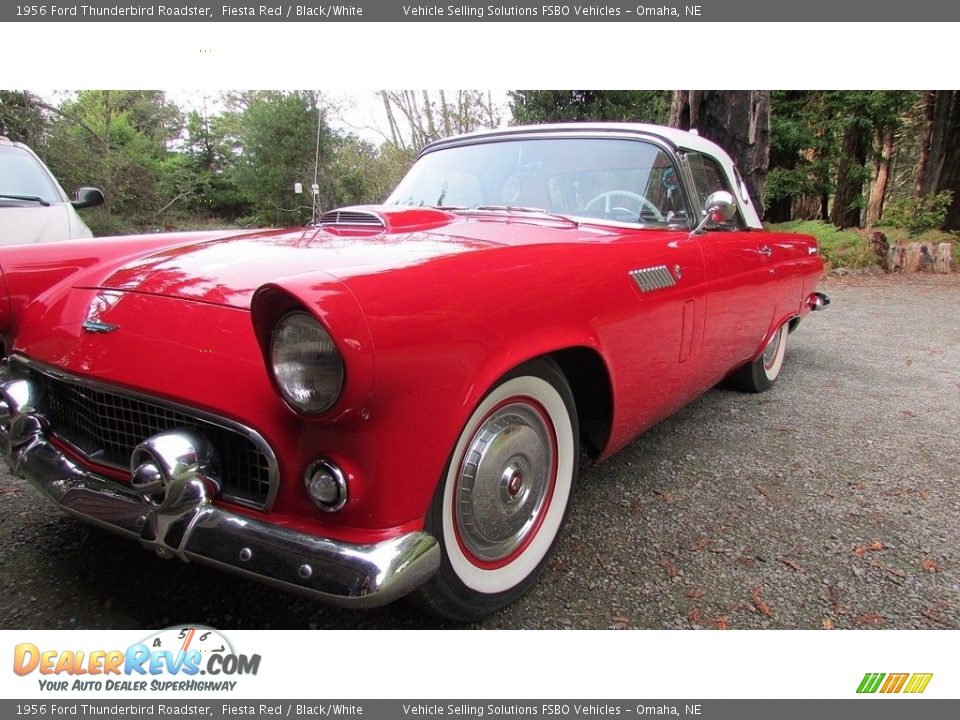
[(674, 136)]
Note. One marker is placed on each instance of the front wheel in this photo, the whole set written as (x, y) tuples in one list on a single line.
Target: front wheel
[(760, 374), (503, 498)]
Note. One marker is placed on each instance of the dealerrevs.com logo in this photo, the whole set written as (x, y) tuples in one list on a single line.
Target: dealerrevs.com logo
[(172, 660)]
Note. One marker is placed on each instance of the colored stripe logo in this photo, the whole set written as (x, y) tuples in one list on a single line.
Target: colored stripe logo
[(913, 683)]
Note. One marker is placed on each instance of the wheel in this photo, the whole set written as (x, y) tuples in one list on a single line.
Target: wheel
[(760, 374), (504, 495), (608, 207)]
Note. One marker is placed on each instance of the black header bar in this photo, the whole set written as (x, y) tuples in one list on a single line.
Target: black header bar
[(632, 11)]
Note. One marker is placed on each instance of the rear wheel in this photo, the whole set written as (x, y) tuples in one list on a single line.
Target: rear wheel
[(504, 495), (760, 374)]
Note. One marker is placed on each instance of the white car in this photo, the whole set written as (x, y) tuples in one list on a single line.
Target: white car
[(33, 206)]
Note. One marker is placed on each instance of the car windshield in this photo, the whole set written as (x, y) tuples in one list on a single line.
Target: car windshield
[(620, 180), (21, 175)]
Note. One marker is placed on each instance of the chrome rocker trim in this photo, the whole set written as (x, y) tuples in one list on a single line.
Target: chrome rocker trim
[(189, 527)]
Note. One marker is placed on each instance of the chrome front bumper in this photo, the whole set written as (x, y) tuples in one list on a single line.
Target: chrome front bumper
[(190, 527)]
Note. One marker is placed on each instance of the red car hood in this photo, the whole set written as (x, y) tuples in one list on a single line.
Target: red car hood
[(228, 271)]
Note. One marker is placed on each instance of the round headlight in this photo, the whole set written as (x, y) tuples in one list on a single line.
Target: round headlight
[(306, 364)]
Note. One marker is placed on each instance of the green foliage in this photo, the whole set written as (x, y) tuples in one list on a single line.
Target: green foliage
[(839, 248), (919, 214), (21, 117), (542, 106)]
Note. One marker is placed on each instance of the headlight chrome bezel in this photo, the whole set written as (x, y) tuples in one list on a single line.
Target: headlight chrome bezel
[(318, 356)]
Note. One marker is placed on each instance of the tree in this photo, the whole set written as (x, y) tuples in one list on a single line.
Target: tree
[(22, 118), (939, 166), (285, 139), (738, 121), (799, 181), (543, 106), (118, 141), (415, 117)]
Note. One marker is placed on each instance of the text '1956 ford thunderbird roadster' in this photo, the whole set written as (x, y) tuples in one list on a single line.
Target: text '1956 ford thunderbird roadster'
[(392, 402)]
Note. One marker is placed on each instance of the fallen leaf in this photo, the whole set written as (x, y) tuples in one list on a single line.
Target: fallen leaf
[(838, 607), (827, 623), (559, 566), (669, 567), (694, 616), (870, 619), (696, 593), (892, 571), (930, 566), (720, 623), (924, 495), (636, 507), (909, 362), (700, 545), (621, 619), (791, 564), (758, 602), (908, 413), (875, 546)]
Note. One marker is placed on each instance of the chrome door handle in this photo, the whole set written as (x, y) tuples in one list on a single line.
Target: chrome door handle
[(765, 250)]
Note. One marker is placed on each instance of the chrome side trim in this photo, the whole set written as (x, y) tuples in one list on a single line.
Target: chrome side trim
[(248, 432), (653, 278), (341, 573)]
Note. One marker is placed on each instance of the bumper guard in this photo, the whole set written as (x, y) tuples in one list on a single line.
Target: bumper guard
[(190, 527)]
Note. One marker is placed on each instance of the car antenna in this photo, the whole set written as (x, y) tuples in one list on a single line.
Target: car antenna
[(315, 188)]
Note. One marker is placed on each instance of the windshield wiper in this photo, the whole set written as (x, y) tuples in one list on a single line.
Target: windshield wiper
[(28, 198), (530, 210)]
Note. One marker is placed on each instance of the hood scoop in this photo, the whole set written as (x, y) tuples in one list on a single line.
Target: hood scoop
[(352, 217), (377, 218)]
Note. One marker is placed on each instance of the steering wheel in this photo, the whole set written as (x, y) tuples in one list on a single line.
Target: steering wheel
[(608, 206)]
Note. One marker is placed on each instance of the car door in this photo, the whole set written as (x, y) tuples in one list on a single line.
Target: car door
[(740, 278)]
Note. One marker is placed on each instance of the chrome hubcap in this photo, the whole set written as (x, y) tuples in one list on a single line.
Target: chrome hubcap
[(770, 352), (504, 482)]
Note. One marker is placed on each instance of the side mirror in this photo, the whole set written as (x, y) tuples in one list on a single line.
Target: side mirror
[(719, 207), (87, 197)]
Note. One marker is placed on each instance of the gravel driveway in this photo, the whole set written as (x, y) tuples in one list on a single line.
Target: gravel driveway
[(832, 500)]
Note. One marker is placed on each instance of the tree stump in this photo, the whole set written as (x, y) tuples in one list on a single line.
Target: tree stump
[(921, 257), (881, 247), (895, 257), (943, 258)]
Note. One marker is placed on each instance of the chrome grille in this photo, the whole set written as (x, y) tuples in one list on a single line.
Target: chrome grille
[(654, 278), (105, 426), (352, 217)]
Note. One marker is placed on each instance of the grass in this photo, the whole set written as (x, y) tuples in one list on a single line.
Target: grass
[(850, 249)]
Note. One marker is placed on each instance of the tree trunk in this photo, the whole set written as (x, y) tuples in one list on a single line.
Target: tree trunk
[(738, 121), (936, 136), (849, 186), (878, 192), (939, 167)]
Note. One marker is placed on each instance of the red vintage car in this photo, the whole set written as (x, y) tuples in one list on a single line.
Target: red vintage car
[(392, 402)]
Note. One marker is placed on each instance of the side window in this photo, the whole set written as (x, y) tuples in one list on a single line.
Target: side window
[(708, 177)]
